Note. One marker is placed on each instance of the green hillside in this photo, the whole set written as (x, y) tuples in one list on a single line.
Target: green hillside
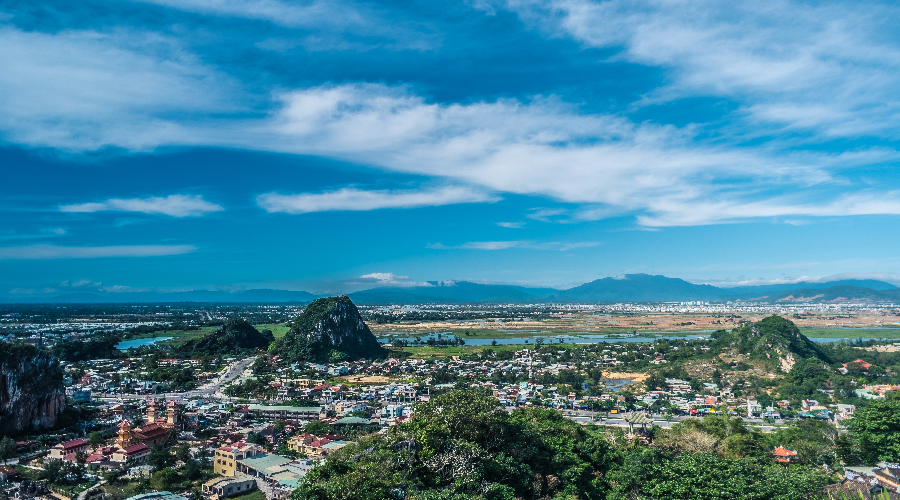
[(328, 330), (236, 336), (774, 339)]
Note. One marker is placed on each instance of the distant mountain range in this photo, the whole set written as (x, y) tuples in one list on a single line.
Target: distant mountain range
[(253, 296), (628, 288)]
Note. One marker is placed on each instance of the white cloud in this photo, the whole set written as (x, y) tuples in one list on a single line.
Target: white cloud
[(579, 244), (511, 225), (176, 205), (826, 67), (692, 213), (42, 252), (358, 199), (382, 279), (83, 91), (478, 245)]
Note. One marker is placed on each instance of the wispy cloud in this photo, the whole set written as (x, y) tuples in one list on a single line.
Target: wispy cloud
[(478, 245), (43, 252), (49, 232), (176, 205), (505, 245), (827, 67), (382, 279), (581, 244), (359, 199), (694, 213), (511, 225)]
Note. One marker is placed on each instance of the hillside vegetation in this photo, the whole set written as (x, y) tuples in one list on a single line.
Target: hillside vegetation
[(328, 330), (465, 446), (775, 340), (236, 336)]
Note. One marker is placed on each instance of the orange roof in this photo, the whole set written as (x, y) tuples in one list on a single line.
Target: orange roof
[(781, 451)]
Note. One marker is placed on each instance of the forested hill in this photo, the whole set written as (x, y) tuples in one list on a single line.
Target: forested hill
[(328, 330), (774, 339), (236, 336)]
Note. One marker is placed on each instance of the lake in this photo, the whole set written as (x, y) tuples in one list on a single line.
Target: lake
[(128, 344)]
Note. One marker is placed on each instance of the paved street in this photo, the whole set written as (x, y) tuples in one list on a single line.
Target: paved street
[(212, 388)]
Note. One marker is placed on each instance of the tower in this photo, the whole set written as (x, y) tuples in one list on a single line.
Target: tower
[(125, 435), (151, 412), (171, 414)]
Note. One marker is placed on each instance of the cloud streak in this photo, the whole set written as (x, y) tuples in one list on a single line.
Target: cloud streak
[(176, 205), (45, 252), (352, 199)]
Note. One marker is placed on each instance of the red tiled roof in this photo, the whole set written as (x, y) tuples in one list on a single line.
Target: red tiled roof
[(75, 443), (150, 433), (136, 448)]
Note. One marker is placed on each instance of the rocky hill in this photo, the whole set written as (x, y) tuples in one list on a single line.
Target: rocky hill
[(774, 339), (329, 329), (31, 388), (236, 336)]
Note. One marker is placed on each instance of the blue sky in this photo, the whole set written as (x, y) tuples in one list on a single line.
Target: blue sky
[(335, 145)]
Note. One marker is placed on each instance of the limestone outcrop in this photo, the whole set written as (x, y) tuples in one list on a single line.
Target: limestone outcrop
[(328, 330), (32, 395)]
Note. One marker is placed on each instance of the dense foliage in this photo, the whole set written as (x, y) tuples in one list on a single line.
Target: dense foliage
[(88, 349), (876, 428), (463, 445)]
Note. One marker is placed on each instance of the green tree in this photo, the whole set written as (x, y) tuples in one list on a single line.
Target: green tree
[(160, 458), (256, 438), (164, 479), (876, 429), (7, 447), (317, 428), (702, 476), (95, 439), (183, 452)]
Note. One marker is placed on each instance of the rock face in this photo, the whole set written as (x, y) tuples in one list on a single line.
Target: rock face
[(328, 330), (236, 336), (31, 388)]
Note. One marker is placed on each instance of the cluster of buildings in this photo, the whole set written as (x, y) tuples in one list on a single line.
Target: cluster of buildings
[(133, 444)]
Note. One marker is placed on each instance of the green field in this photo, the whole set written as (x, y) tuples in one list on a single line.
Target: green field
[(182, 336), (178, 336), (851, 333), (278, 329)]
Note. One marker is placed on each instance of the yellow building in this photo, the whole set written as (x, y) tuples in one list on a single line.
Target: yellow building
[(226, 457)]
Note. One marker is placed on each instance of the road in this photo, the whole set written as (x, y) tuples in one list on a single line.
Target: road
[(584, 417), (212, 388)]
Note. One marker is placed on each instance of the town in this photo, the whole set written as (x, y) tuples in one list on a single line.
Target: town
[(165, 410)]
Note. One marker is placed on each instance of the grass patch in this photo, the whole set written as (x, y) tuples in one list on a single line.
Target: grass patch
[(278, 329), (253, 495)]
